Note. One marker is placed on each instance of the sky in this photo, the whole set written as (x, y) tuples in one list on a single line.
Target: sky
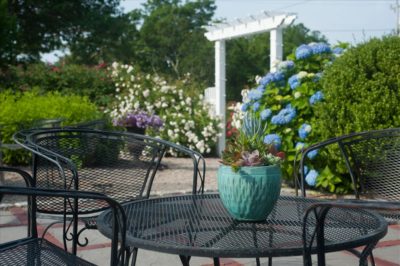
[(352, 21)]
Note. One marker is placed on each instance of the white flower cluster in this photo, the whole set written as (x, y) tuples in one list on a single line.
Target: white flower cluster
[(238, 115), (173, 103)]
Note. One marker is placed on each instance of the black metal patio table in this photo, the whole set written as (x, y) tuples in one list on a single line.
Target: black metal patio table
[(199, 225)]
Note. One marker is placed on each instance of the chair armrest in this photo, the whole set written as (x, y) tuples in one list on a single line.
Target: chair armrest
[(25, 175), (119, 229), (320, 211)]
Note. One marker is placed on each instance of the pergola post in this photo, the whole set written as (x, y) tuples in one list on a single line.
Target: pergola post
[(266, 21), (276, 48), (220, 81)]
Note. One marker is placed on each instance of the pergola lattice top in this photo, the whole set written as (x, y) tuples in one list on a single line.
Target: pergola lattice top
[(254, 24)]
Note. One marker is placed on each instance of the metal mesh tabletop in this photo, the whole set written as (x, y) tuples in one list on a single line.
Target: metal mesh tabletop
[(199, 225)]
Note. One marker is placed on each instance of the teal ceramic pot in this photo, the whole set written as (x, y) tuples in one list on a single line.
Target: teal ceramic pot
[(250, 193)]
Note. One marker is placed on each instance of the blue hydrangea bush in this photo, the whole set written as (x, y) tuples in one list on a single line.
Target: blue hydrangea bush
[(285, 101)]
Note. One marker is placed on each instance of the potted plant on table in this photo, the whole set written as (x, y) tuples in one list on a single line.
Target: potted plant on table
[(249, 179)]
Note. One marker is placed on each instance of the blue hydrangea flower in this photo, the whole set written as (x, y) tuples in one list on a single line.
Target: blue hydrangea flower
[(294, 82), (338, 50), (304, 130), (320, 48), (311, 178), (244, 107), (284, 116), (285, 65), (264, 81), (273, 139), (265, 114), (256, 106), (311, 155), (278, 76), (299, 145), (254, 95), (316, 97), (317, 76), (306, 169), (272, 77), (303, 51), (261, 89)]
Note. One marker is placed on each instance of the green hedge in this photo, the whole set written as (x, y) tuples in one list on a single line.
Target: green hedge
[(93, 82), (361, 92), (21, 110), (361, 89)]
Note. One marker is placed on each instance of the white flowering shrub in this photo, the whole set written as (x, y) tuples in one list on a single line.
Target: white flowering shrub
[(186, 116)]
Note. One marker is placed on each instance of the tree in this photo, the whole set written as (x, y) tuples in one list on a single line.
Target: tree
[(247, 57), (112, 39), (172, 38), (32, 27)]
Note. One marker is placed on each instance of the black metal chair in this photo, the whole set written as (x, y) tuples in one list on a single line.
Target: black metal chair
[(372, 159), (36, 250), (314, 232), (118, 164)]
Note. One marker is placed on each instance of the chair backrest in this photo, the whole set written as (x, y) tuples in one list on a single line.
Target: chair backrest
[(99, 124), (373, 160), (117, 164)]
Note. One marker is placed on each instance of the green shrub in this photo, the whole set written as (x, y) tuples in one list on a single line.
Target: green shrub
[(20, 110), (361, 91), (93, 82)]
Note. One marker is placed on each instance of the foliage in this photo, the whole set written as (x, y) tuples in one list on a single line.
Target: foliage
[(246, 56), (249, 147), (93, 82), (361, 91), (34, 27), (285, 101), (363, 87), (112, 38), (186, 116), (172, 40), (21, 110)]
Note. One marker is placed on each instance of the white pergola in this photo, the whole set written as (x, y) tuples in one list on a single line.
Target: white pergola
[(266, 21)]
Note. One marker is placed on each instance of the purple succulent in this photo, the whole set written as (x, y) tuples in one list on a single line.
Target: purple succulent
[(251, 159)]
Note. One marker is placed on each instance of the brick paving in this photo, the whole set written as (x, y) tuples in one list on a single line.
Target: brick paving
[(13, 221)]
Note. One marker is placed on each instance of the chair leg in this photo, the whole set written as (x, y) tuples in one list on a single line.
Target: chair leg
[(185, 260), (216, 261), (131, 252), (269, 261)]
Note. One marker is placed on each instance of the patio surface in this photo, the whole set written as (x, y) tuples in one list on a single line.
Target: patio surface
[(176, 178)]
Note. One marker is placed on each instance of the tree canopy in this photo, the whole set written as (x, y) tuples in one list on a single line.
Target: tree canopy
[(172, 37), (164, 37), (32, 27)]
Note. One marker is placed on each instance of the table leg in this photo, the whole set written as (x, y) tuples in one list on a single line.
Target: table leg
[(367, 252), (216, 261)]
